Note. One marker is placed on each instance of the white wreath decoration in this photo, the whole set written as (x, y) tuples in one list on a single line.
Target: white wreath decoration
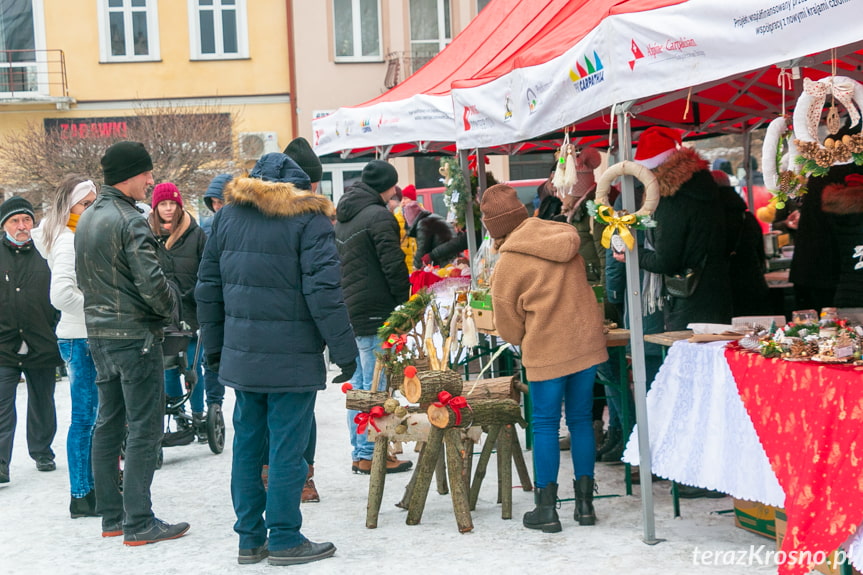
[(638, 171), (815, 158), (787, 183), (619, 223)]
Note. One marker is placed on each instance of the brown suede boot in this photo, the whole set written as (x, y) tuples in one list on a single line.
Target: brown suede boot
[(310, 492), (265, 475)]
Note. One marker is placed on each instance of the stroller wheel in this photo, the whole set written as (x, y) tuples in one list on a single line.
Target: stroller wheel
[(215, 428)]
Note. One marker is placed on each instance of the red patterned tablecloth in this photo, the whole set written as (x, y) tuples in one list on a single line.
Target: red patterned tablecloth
[(809, 418)]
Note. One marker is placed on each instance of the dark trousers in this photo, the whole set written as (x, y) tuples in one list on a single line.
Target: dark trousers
[(309, 453), (131, 392), (41, 414), (215, 390), (276, 420)]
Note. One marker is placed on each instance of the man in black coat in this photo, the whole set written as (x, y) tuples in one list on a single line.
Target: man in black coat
[(374, 279), (430, 230), (27, 341), (127, 303), (269, 299), (750, 294)]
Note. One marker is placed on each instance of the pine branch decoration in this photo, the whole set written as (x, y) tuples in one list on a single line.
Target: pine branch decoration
[(405, 317)]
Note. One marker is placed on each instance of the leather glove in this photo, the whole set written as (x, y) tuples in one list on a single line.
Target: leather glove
[(212, 361), (427, 260), (347, 372)]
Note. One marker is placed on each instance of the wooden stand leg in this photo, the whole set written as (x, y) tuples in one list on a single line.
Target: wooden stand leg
[(424, 476), (458, 486), (482, 464), (520, 465), (406, 498), (466, 460), (504, 461), (440, 475), (377, 480)]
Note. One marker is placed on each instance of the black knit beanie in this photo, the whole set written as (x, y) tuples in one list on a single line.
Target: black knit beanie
[(125, 160), (15, 205), (300, 151), (380, 176)]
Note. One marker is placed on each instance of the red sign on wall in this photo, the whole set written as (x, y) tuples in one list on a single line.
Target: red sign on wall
[(75, 128)]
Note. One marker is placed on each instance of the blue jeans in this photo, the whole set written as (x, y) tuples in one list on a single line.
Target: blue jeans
[(131, 394), (362, 379), (266, 427), (41, 412), (575, 393), (173, 387), (85, 406)]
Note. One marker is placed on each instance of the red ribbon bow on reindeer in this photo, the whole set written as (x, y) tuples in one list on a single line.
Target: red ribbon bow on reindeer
[(471, 163), (395, 341), (457, 403), (363, 420)]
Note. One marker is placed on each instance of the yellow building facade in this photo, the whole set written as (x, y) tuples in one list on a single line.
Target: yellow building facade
[(87, 65)]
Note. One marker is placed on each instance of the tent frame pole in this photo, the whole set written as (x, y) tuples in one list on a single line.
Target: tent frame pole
[(636, 334), (469, 225)]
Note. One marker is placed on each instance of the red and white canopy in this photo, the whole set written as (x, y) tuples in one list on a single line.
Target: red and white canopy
[(606, 52), (523, 69)]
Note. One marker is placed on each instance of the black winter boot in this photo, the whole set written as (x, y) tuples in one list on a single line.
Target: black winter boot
[(612, 438), (544, 517), (83, 506), (584, 512)]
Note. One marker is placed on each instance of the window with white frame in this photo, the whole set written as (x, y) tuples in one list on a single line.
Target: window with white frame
[(357, 30), (218, 29), (430, 30), (128, 30)]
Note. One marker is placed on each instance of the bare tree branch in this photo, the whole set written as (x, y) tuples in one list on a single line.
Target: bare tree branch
[(189, 145)]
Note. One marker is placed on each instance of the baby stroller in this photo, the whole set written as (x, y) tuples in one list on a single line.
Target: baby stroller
[(186, 427)]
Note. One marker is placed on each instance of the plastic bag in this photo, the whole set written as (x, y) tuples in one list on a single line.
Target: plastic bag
[(483, 262)]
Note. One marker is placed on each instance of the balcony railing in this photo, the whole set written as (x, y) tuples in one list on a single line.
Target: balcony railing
[(33, 74), (400, 65)]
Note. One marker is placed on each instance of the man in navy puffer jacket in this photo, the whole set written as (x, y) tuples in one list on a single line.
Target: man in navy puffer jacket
[(269, 299)]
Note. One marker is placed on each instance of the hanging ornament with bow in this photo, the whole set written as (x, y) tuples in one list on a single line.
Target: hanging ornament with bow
[(559, 178), (618, 224)]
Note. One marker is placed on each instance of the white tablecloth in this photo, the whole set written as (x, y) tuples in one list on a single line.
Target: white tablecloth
[(701, 435)]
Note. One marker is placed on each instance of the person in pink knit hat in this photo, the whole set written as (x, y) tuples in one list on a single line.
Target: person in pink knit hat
[(183, 240)]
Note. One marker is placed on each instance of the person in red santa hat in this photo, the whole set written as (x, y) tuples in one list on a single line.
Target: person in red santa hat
[(690, 234)]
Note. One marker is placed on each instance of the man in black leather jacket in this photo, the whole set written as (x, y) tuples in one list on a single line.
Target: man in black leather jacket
[(127, 301)]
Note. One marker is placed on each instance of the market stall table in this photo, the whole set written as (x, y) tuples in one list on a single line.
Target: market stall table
[(705, 407)]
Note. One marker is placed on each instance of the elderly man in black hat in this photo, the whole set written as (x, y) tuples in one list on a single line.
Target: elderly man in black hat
[(127, 302), (27, 341)]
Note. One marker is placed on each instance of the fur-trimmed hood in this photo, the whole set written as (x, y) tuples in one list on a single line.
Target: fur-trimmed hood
[(276, 199), (678, 169), (843, 199)]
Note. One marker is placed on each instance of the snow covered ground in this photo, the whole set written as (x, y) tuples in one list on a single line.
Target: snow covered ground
[(37, 535)]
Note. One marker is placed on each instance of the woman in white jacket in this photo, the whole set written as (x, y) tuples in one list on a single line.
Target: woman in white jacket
[(55, 240)]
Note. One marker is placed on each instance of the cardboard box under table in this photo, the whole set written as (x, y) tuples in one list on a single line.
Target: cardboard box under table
[(756, 517)]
